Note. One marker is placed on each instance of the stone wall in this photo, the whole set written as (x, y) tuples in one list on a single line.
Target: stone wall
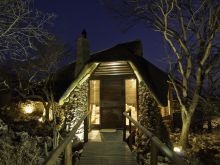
[(150, 117), (76, 105)]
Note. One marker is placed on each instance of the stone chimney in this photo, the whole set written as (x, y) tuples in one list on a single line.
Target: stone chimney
[(82, 52)]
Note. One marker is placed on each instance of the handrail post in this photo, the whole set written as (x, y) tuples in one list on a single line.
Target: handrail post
[(153, 154), (125, 125), (63, 145), (124, 131), (129, 113), (68, 154), (86, 130)]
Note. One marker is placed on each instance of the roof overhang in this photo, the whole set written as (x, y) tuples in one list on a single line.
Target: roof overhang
[(130, 52), (84, 74), (88, 71)]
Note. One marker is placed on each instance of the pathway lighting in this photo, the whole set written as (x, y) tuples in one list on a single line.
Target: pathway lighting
[(28, 109)]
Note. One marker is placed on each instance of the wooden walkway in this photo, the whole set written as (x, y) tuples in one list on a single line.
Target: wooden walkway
[(107, 148)]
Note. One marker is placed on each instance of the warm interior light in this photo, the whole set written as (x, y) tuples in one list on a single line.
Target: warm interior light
[(131, 98), (177, 149), (28, 109), (95, 101), (95, 114)]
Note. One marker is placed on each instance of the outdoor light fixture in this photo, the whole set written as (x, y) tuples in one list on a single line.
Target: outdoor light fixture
[(40, 119), (177, 149), (28, 108)]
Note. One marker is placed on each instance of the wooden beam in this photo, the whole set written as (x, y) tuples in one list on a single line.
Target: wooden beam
[(113, 71), (100, 69), (125, 76), (114, 63), (113, 74), (115, 66)]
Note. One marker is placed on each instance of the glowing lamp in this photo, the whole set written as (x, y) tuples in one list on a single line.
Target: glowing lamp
[(28, 109), (40, 119), (177, 149)]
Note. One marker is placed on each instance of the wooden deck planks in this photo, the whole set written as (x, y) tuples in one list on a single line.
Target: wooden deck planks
[(107, 149)]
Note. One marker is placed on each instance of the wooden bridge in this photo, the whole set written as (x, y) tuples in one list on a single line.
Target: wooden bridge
[(108, 148)]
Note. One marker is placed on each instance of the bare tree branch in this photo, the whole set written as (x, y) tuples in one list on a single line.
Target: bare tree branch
[(20, 26)]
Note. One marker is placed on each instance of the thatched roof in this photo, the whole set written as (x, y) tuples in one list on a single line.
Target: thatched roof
[(63, 79), (155, 79)]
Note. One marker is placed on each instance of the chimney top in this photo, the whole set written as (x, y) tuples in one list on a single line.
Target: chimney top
[(84, 34)]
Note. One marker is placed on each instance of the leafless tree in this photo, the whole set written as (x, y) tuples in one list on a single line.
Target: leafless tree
[(35, 76), (29, 50), (191, 30), (20, 26), (35, 79)]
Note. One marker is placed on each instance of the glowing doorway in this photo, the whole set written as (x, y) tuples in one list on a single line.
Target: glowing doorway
[(131, 98), (95, 102)]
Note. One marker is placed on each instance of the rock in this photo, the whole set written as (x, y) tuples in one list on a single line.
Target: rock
[(77, 104), (160, 158), (22, 136), (166, 159), (3, 127), (162, 163), (40, 161), (148, 155)]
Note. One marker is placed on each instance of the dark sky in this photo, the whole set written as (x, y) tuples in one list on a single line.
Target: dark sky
[(104, 31)]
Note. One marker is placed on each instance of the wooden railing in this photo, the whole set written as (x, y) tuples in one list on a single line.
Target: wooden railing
[(66, 144), (156, 145)]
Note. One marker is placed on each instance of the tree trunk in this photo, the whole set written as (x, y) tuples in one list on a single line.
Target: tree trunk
[(185, 131), (55, 139), (209, 124), (47, 111), (47, 114)]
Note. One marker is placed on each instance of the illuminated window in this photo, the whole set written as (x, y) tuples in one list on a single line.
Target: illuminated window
[(131, 98), (95, 101)]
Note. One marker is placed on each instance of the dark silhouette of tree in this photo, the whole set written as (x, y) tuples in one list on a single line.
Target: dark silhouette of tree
[(35, 77)]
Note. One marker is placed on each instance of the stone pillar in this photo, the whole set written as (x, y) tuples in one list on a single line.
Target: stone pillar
[(82, 52), (76, 106), (150, 118)]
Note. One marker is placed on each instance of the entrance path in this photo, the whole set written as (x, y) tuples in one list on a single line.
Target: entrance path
[(107, 148)]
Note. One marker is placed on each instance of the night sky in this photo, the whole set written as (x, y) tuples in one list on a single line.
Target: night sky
[(104, 31)]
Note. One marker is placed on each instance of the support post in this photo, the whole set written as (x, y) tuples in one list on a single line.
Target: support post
[(86, 130), (68, 154), (153, 154), (129, 113), (124, 129)]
